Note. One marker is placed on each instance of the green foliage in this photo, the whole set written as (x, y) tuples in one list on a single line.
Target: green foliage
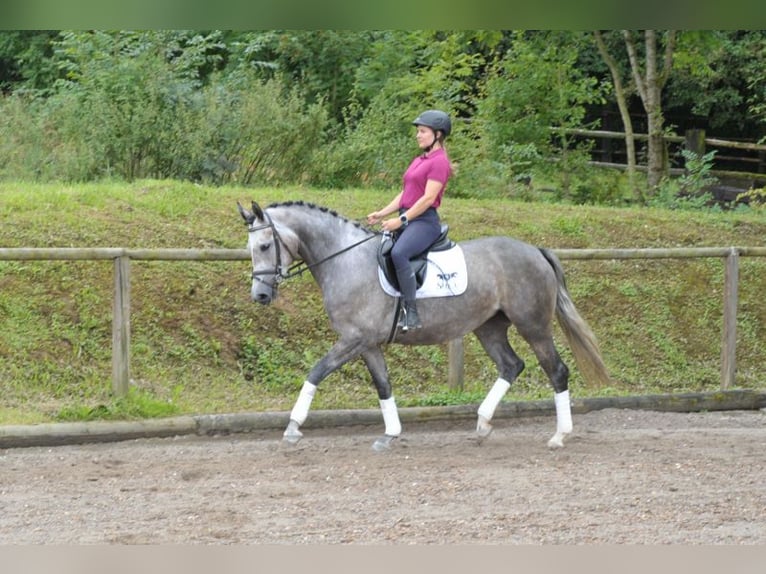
[(689, 191), (537, 85), (719, 76), (697, 176), (254, 132), (410, 72), (601, 187), (451, 397), (26, 62), (372, 154), (323, 63), (331, 108), (140, 120)]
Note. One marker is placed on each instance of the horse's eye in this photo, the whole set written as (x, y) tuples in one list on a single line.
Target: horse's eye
[(265, 246)]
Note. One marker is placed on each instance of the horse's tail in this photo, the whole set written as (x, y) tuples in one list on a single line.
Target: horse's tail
[(579, 335)]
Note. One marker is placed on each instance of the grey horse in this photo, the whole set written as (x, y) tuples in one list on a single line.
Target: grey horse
[(509, 283)]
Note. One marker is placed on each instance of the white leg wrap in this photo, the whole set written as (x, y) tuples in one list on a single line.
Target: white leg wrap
[(493, 398), (563, 412), (391, 417), (301, 409)]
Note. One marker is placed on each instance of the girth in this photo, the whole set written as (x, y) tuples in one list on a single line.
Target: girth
[(419, 263)]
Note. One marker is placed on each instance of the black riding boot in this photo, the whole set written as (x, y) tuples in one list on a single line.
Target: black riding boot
[(408, 318)]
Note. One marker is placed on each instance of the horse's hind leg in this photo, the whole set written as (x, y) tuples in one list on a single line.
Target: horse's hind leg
[(376, 364), (493, 336), (558, 373)]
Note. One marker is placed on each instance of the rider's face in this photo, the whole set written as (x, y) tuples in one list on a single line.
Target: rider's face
[(425, 136)]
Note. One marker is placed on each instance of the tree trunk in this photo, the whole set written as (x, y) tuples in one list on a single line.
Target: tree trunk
[(622, 104), (650, 87), (653, 107)]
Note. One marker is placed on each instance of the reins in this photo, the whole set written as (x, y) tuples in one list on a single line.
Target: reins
[(301, 266), (295, 269)]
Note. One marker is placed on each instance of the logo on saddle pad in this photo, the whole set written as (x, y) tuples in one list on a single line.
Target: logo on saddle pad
[(440, 271)]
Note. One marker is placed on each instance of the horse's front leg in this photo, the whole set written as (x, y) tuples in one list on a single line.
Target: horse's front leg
[(376, 364), (340, 353)]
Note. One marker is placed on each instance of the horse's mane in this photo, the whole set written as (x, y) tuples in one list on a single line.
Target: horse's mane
[(327, 210)]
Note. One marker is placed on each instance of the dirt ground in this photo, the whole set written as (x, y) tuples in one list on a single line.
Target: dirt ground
[(625, 476)]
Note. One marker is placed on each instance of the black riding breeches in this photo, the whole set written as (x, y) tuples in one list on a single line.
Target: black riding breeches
[(413, 240)]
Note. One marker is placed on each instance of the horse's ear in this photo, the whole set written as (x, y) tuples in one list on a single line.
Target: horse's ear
[(258, 212), (246, 215)]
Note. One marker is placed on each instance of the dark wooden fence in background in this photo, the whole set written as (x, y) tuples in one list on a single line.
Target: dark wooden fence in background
[(752, 156)]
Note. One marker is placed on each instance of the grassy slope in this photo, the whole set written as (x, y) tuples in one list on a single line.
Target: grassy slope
[(199, 345)]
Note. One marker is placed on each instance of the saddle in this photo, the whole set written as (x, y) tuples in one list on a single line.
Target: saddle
[(419, 263)]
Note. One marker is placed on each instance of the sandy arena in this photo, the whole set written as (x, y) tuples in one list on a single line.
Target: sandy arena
[(625, 476)]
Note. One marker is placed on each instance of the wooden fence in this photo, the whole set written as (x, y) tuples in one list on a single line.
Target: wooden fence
[(694, 140), (121, 259)]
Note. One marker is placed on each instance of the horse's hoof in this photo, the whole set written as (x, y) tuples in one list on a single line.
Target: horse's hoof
[(383, 444), (292, 437), (483, 428), (557, 441)]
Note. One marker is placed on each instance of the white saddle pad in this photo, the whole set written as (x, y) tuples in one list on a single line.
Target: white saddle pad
[(445, 275)]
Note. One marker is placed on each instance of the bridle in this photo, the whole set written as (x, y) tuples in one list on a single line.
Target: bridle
[(300, 266), (278, 272)]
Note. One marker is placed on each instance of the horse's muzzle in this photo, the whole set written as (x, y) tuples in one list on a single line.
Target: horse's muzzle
[(262, 298), (262, 293)]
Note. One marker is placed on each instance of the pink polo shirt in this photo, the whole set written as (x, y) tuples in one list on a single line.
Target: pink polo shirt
[(436, 166)]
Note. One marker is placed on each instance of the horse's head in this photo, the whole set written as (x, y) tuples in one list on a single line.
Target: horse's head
[(272, 247)]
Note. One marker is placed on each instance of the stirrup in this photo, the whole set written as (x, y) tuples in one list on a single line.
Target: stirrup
[(408, 318)]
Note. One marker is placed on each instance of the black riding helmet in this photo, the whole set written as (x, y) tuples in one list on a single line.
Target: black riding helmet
[(434, 119)]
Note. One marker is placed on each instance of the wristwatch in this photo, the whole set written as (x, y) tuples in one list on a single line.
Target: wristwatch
[(403, 219)]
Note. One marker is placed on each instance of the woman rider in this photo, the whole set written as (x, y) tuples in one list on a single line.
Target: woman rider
[(418, 222)]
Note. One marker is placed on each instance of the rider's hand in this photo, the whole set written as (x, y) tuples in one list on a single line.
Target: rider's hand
[(391, 224), (374, 218)]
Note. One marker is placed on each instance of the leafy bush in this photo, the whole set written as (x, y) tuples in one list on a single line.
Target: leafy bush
[(689, 191), (372, 153), (149, 116)]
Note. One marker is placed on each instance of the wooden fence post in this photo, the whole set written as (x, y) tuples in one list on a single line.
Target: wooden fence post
[(730, 299), (121, 326), (456, 352), (695, 141)]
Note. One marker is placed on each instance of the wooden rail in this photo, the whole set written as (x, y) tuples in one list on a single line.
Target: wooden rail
[(694, 140), (122, 257), (669, 138)]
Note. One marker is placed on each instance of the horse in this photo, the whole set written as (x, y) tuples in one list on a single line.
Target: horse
[(510, 283)]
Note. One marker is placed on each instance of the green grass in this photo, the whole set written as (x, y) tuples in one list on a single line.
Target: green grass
[(135, 405), (200, 346)]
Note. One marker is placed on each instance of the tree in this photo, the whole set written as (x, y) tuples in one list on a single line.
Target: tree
[(321, 63), (757, 83), (535, 87), (649, 78), (621, 95), (717, 78), (26, 60)]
